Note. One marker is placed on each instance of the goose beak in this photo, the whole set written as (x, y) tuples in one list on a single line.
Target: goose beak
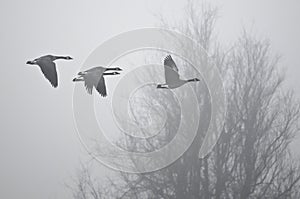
[(29, 62)]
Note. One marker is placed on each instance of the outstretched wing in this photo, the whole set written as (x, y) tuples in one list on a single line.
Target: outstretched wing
[(168, 61), (171, 70), (96, 80), (101, 87), (89, 83), (49, 70)]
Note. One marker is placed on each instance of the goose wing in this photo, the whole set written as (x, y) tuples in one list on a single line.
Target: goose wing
[(168, 61), (49, 70), (96, 80), (89, 82), (171, 70), (101, 88)]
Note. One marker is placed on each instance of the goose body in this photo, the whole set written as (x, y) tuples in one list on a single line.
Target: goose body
[(94, 78), (171, 75), (48, 67)]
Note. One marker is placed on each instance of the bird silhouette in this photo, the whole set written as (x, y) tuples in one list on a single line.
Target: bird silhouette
[(94, 78), (47, 65), (171, 75)]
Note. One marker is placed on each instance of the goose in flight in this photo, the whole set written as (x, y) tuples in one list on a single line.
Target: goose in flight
[(47, 65), (94, 77), (171, 74)]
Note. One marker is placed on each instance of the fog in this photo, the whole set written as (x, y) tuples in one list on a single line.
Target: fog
[(39, 146)]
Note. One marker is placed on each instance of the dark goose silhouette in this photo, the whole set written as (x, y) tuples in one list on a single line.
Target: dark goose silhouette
[(94, 77), (171, 75), (47, 65)]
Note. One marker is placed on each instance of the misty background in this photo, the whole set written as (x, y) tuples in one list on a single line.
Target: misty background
[(39, 148)]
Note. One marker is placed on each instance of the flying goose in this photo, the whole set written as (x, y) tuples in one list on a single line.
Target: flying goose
[(94, 77), (171, 74), (47, 65)]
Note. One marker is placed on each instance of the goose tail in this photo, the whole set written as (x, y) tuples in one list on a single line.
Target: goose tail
[(78, 79)]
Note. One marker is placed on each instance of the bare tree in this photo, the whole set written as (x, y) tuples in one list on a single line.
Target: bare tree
[(251, 158)]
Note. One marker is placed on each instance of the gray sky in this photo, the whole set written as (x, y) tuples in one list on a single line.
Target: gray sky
[(39, 149)]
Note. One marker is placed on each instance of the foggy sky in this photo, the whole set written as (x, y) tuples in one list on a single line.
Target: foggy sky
[(39, 148)]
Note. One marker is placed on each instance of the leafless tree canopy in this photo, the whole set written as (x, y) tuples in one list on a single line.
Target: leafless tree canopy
[(251, 158)]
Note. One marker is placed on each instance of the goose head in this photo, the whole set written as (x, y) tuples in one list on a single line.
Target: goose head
[(114, 68), (112, 73), (117, 68), (68, 58)]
